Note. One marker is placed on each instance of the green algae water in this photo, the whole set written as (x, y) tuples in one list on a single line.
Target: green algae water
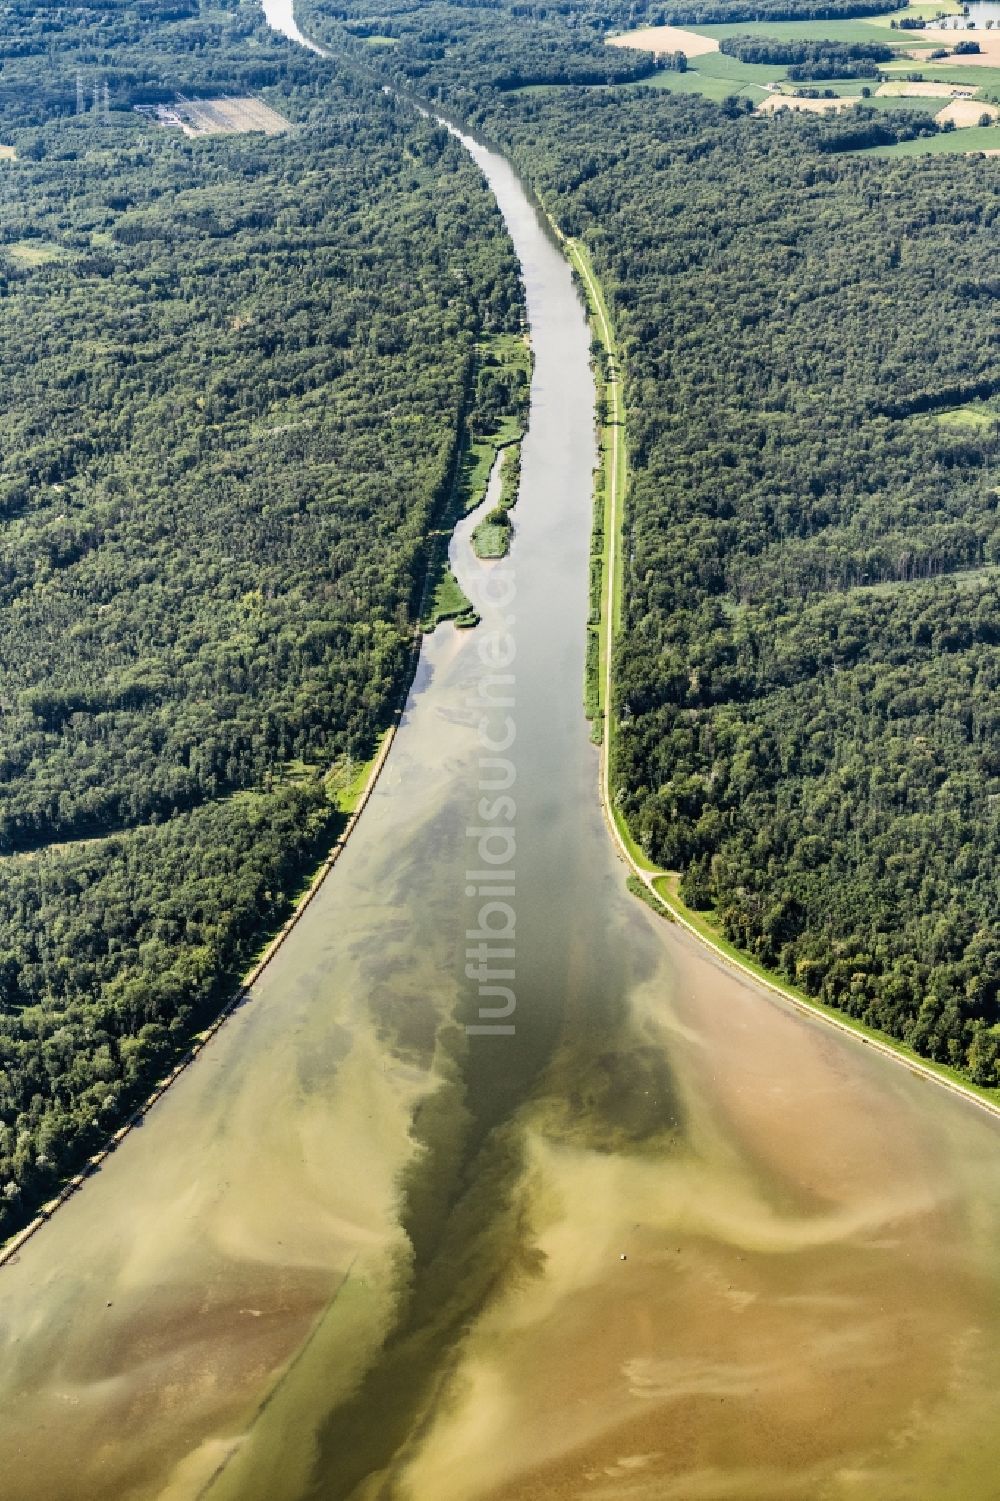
[(569, 1210)]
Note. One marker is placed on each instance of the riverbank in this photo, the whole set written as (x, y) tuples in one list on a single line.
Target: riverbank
[(352, 801), (662, 885)]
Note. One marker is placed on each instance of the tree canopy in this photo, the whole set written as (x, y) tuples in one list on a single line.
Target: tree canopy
[(236, 374)]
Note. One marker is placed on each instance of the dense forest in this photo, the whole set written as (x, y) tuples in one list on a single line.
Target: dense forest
[(456, 49), (810, 60), (806, 683), (807, 680), (466, 54), (145, 51), (236, 371), (505, 48)]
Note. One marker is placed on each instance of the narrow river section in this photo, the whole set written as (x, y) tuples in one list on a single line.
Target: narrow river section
[(666, 1238)]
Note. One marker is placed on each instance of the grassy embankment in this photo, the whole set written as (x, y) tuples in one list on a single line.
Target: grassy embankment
[(656, 887), (444, 600), (609, 485)]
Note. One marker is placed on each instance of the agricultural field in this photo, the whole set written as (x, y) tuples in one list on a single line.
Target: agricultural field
[(985, 138), (716, 74), (718, 77), (899, 104), (661, 39), (985, 80), (965, 112), (774, 102), (915, 89), (858, 29), (694, 81), (988, 42)]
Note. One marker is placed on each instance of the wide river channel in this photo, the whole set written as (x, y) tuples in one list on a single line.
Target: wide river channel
[(666, 1238)]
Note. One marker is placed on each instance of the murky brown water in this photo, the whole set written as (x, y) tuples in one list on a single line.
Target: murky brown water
[(359, 1252)]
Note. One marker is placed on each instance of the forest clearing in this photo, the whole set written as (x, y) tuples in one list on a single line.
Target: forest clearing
[(228, 116)]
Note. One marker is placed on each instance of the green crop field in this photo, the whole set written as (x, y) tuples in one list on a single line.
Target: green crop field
[(716, 75), (720, 65), (985, 80), (893, 104), (974, 138), (846, 88)]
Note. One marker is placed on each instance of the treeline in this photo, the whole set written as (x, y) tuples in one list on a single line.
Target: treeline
[(725, 12), (806, 683), (808, 61), (235, 370), (863, 130)]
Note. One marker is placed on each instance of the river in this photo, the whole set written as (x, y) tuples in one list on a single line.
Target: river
[(665, 1238)]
